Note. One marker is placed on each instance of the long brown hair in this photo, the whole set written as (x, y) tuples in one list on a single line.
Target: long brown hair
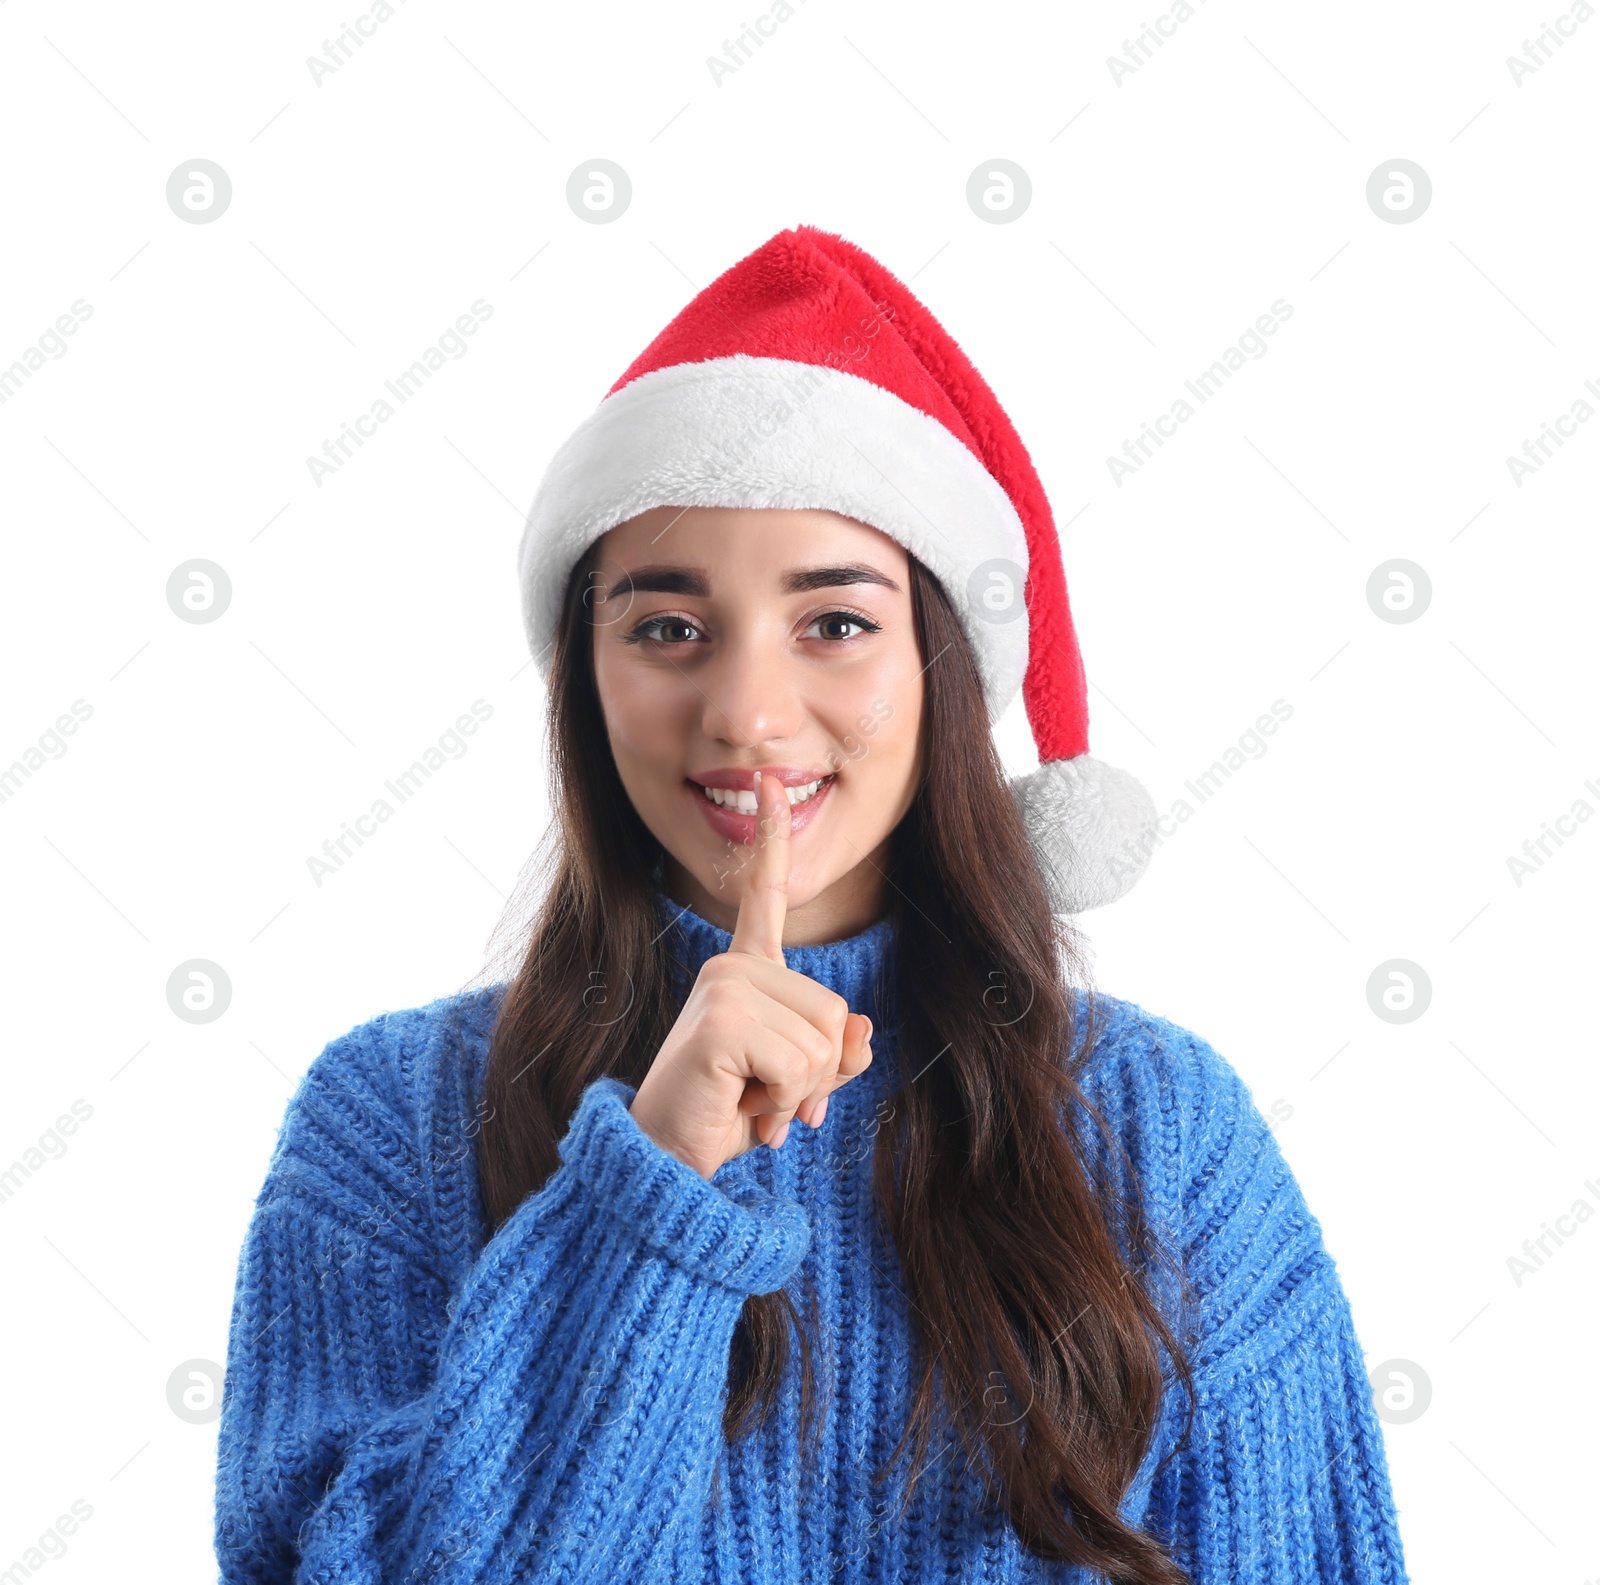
[(1008, 1237)]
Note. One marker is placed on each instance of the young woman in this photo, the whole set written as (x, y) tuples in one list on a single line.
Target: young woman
[(545, 1285)]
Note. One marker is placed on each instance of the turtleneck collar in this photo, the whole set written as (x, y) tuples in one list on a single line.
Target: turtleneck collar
[(857, 967)]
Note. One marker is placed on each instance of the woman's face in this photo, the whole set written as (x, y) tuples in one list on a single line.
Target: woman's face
[(728, 641)]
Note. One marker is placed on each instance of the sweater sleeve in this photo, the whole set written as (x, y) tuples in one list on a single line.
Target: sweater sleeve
[(558, 1416), (1284, 1480)]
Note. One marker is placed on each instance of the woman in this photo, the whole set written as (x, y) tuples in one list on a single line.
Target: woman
[(543, 1284)]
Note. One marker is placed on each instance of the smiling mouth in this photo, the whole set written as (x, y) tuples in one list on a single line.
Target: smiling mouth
[(730, 810), (738, 800)]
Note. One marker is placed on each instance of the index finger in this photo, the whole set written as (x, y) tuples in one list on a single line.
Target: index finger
[(759, 927)]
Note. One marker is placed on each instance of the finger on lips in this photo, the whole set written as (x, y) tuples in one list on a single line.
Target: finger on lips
[(758, 932), (759, 927)]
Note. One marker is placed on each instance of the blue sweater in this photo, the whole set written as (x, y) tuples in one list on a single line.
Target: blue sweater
[(404, 1402)]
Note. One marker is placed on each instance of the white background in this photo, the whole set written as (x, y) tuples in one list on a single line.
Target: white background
[(368, 612)]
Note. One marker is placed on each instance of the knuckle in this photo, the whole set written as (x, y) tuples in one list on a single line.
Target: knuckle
[(718, 969), (796, 1079), (724, 1014), (725, 994)]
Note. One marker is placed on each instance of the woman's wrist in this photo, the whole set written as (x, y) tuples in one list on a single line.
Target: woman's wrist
[(751, 1244), (655, 1128)]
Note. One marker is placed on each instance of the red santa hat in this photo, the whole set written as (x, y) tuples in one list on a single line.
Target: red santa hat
[(808, 376)]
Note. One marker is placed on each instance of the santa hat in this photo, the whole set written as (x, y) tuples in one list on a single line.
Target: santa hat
[(808, 376)]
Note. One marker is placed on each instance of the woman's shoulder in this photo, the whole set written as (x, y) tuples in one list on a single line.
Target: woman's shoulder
[(382, 1105), (391, 1062), (1141, 1063), (1181, 1111)]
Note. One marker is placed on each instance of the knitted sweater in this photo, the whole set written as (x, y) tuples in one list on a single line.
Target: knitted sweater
[(406, 1402)]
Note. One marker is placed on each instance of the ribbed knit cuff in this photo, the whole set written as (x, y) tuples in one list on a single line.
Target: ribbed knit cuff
[(752, 1245)]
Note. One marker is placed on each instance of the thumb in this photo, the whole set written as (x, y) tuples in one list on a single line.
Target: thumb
[(857, 1049)]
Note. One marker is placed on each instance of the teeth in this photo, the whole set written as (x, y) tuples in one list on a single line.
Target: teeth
[(745, 802)]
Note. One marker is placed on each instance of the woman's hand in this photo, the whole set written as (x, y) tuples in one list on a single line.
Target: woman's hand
[(756, 1043)]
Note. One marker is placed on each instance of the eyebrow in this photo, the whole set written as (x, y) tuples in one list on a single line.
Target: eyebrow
[(666, 579)]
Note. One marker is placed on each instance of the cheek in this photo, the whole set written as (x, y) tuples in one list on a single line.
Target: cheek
[(875, 725), (645, 717)]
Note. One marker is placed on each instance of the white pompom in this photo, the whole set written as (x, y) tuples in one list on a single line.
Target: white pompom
[(1093, 828)]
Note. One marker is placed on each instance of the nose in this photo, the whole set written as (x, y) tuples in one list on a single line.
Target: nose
[(750, 689)]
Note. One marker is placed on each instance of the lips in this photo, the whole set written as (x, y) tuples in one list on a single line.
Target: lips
[(720, 793)]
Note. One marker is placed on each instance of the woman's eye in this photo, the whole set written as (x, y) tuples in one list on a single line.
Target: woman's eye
[(663, 629), (832, 621)]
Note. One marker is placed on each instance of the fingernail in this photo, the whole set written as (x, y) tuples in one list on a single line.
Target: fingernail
[(869, 1026), (782, 1134), (820, 1113)]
